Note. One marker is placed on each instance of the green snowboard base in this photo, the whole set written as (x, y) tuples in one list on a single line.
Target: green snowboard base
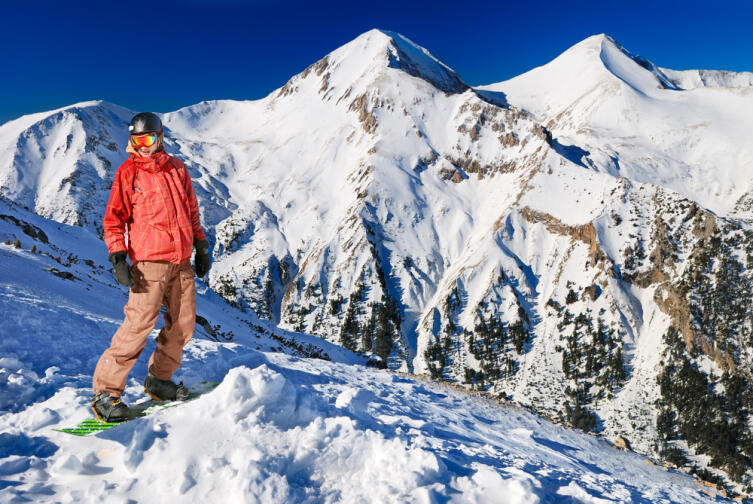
[(94, 425)]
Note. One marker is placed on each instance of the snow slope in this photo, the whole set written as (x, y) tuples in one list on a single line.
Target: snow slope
[(287, 430), (278, 428)]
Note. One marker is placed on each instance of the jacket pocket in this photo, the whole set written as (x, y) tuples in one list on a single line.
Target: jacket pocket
[(149, 209)]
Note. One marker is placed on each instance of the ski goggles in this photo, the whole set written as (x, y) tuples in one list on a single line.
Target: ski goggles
[(145, 140)]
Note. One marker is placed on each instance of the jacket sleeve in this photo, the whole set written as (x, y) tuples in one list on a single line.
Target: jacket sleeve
[(193, 207), (118, 213)]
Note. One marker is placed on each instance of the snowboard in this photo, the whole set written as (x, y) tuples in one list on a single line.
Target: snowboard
[(139, 410)]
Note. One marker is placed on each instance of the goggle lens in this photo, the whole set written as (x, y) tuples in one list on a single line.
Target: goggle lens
[(146, 140)]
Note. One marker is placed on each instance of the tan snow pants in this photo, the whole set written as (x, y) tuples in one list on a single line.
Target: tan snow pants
[(155, 284)]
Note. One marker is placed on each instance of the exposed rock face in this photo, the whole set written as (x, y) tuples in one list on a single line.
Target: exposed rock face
[(621, 443)]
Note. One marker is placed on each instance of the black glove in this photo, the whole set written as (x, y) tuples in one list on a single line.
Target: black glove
[(203, 260), (121, 269)]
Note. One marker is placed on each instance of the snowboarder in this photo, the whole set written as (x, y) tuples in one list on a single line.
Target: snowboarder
[(153, 200)]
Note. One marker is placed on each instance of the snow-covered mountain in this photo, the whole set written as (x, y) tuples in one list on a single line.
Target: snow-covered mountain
[(574, 239), (280, 427), (682, 130)]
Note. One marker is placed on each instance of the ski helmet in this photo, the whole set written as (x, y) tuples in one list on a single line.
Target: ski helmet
[(145, 122)]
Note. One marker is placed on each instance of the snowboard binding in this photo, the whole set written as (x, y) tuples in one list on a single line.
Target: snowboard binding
[(164, 390), (109, 409)]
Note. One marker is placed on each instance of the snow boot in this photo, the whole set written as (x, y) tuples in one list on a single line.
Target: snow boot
[(164, 390), (109, 409)]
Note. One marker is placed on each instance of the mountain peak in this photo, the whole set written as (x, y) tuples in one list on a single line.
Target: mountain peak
[(366, 58), (596, 59), (635, 70)]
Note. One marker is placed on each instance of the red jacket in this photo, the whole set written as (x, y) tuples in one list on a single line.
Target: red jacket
[(152, 197)]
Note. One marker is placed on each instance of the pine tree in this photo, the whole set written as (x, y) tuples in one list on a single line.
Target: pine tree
[(572, 297)]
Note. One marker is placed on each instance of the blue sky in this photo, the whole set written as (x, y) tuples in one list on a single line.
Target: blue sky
[(165, 55)]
